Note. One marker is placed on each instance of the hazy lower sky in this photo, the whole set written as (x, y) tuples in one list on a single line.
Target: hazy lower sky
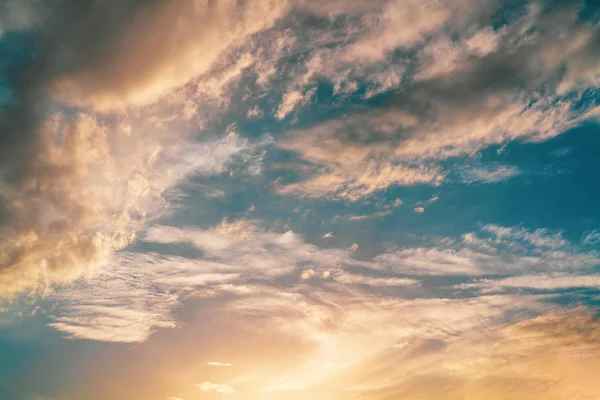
[(299, 199)]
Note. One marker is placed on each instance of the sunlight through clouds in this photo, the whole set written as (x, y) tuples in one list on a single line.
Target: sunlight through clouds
[(298, 199)]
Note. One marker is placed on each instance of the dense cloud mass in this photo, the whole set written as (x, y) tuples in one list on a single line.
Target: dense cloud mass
[(78, 182), (323, 199)]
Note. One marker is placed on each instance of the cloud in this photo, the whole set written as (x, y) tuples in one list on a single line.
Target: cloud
[(464, 340), (219, 364), (517, 362), (118, 104), (245, 249), (442, 56), (131, 296), (359, 184), (100, 129), (538, 282), (90, 189), (591, 238), (18, 16), (364, 51), (291, 100), (350, 171), (493, 250), (109, 56), (434, 321), (65, 175), (539, 238), (370, 281), (427, 202), (357, 217), (144, 64), (135, 293), (491, 174), (467, 93), (397, 141), (419, 210), (207, 386), (255, 112), (307, 274), (432, 200)]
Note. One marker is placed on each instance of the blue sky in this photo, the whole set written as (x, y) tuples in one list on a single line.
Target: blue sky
[(291, 199)]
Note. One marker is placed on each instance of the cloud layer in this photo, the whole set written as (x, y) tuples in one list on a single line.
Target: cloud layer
[(213, 189)]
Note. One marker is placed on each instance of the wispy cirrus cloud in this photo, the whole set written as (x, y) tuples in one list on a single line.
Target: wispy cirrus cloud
[(207, 386), (494, 250), (490, 174), (548, 282), (591, 238), (329, 305), (238, 253), (135, 293)]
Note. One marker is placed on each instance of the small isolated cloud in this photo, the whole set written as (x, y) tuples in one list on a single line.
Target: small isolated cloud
[(397, 203), (354, 247), (207, 386), (307, 274), (219, 364), (419, 210), (427, 202), (357, 217), (328, 235), (255, 112), (492, 174)]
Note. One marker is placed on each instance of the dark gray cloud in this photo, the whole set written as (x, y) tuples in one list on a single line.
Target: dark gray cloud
[(66, 36), (84, 121)]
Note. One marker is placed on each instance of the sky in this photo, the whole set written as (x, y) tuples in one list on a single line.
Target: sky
[(299, 199)]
